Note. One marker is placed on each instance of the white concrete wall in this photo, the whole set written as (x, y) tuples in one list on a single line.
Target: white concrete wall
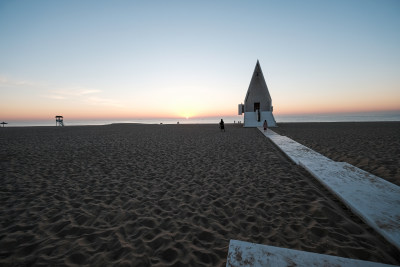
[(240, 109), (250, 119)]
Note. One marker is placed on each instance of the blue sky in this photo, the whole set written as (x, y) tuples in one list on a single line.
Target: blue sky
[(130, 59)]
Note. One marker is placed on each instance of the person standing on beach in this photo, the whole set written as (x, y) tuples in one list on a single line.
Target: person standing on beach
[(265, 125), (222, 125)]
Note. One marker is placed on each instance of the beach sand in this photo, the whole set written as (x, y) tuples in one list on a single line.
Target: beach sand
[(371, 146), (163, 195)]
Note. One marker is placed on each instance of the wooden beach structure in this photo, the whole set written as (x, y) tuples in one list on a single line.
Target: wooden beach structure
[(59, 120), (4, 123), (257, 105)]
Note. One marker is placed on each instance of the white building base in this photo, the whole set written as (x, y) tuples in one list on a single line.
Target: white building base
[(250, 119)]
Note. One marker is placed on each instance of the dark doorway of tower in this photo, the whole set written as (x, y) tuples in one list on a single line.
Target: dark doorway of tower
[(257, 109)]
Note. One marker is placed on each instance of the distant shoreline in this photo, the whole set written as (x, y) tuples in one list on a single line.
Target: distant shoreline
[(308, 118), (155, 122)]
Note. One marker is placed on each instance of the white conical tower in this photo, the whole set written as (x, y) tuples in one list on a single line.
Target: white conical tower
[(258, 103)]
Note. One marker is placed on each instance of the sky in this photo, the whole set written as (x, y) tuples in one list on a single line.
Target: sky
[(173, 59)]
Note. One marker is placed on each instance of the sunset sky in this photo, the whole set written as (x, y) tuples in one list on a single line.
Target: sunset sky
[(142, 59)]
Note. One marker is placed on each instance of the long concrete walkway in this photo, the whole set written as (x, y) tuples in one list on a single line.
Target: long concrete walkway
[(375, 200), (256, 255)]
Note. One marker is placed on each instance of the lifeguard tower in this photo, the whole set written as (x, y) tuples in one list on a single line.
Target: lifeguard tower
[(257, 105), (59, 121)]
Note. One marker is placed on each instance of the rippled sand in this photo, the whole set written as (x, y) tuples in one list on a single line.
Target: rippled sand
[(163, 195)]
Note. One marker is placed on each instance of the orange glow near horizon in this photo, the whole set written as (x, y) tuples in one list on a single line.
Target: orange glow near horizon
[(77, 115), (189, 107)]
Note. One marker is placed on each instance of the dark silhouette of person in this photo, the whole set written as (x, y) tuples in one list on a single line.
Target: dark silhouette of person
[(265, 125), (222, 125)]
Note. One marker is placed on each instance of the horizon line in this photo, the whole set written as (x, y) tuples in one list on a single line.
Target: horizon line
[(337, 113)]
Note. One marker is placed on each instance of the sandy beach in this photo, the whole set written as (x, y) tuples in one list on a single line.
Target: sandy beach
[(371, 146), (174, 195)]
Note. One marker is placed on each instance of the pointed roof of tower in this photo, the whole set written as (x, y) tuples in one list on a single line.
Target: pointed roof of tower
[(258, 83)]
